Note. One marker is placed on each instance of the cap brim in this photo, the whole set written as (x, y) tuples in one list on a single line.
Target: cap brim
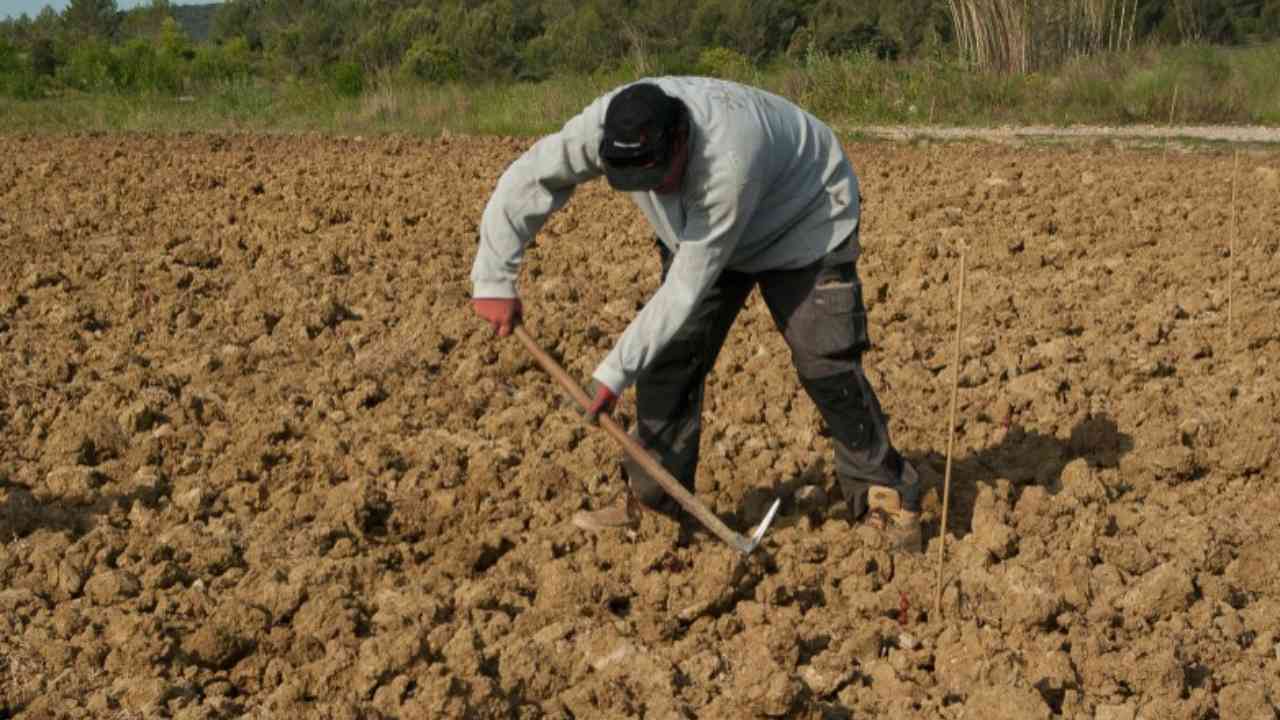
[(635, 179)]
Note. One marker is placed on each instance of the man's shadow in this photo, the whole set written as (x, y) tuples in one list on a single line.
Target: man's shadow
[(1024, 457)]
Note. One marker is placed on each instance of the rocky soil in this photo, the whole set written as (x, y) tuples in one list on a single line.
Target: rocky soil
[(258, 458)]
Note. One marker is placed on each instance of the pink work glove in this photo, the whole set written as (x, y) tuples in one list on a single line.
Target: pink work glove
[(605, 401), (503, 314)]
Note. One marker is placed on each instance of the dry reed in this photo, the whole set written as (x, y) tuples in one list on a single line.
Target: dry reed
[(1231, 257), (1172, 104), (1018, 36), (951, 435)]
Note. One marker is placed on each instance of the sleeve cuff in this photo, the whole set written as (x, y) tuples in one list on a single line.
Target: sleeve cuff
[(613, 378), (493, 289)]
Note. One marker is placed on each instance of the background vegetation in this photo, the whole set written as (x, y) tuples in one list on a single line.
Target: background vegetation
[(521, 66)]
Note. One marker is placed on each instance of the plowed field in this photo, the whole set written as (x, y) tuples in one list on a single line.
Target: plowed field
[(258, 458)]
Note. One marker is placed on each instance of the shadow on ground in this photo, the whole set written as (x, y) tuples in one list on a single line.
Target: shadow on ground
[(1024, 457)]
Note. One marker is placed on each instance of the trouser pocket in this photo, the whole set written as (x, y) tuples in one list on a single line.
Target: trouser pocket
[(831, 323), (839, 317)]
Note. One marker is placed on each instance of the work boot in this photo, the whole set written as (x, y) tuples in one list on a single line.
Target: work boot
[(855, 496), (621, 515), (900, 527), (648, 494)]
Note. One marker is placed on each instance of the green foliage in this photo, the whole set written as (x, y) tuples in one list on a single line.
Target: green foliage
[(91, 66), (92, 18), (495, 40), (911, 28), (854, 82), (841, 27), (487, 39), (1256, 72), (724, 63), (347, 79), (756, 29), (173, 41), (239, 19), (885, 59), (17, 79), (1085, 88), (1166, 22), (579, 38), (377, 47), (44, 61), (47, 24), (432, 61), (196, 20), (1207, 84), (10, 60), (849, 90), (226, 63), (239, 100), (166, 64), (146, 21), (139, 66)]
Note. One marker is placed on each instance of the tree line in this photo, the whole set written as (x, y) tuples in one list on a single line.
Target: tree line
[(92, 45)]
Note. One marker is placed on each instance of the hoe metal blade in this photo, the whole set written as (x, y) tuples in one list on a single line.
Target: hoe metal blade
[(758, 535)]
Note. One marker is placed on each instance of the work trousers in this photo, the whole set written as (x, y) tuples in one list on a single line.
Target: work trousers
[(820, 312)]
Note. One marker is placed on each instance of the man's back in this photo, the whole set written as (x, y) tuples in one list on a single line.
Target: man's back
[(805, 195)]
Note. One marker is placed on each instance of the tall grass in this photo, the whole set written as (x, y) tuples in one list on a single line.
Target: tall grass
[(1214, 85)]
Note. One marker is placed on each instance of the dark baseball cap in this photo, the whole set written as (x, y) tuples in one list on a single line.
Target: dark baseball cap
[(639, 132)]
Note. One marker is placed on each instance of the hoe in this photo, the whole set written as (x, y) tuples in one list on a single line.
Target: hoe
[(741, 543)]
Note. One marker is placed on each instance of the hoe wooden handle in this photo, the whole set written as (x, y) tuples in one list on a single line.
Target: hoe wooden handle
[(635, 450)]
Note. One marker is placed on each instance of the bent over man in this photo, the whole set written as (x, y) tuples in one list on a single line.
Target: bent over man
[(743, 189)]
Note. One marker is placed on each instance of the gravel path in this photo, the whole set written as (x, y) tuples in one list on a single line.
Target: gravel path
[(1225, 133)]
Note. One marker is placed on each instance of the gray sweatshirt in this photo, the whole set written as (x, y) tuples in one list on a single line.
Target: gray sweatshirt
[(767, 187)]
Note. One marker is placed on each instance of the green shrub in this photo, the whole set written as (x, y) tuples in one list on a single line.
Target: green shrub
[(1257, 68), (346, 79), (432, 61), (44, 61), (579, 39), (141, 68), (852, 84), (173, 41), (1210, 87), (1148, 94), (91, 67), (10, 59), (724, 63), (17, 78), (221, 63), (1086, 90)]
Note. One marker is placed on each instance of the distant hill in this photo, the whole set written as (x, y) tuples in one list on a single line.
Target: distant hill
[(196, 20)]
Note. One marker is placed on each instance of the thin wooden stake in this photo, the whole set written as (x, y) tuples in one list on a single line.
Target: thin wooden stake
[(1172, 104), (951, 436), (1231, 260)]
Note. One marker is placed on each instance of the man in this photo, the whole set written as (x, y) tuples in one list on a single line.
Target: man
[(743, 189)]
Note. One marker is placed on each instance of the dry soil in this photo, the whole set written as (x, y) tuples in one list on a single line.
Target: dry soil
[(258, 458)]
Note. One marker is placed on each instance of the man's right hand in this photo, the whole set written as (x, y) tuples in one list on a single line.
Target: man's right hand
[(605, 401), (503, 314)]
